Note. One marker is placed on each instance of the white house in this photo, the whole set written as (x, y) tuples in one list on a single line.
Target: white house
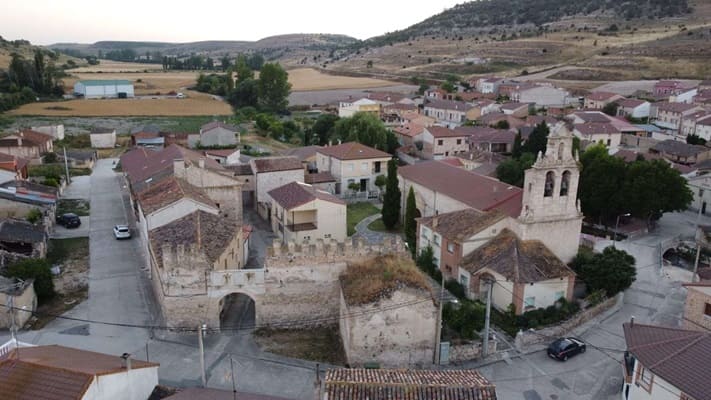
[(102, 138), (634, 108), (97, 89), (665, 363), (701, 189), (224, 156), (58, 372), (348, 108), (353, 163), (56, 131), (217, 133)]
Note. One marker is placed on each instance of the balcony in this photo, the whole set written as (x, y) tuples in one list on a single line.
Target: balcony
[(303, 226)]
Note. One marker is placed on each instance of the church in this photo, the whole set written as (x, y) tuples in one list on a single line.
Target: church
[(487, 234)]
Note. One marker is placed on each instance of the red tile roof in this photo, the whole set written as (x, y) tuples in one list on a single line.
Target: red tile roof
[(448, 105), (302, 153), (675, 107), (477, 191), (296, 194), (463, 224), (167, 192), (596, 129), (680, 357), (442, 132), (319, 177), (455, 162), (377, 384), (352, 151), (630, 103), (217, 124), (601, 96), (141, 164), (409, 129), (274, 164), (37, 137), (221, 152)]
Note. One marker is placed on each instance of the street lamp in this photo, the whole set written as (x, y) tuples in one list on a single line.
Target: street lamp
[(617, 223)]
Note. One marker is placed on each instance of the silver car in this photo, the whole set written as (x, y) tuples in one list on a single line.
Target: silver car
[(122, 232)]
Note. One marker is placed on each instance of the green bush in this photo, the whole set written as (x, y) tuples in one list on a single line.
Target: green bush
[(464, 319), (426, 263), (50, 182), (37, 269), (456, 288), (34, 216)]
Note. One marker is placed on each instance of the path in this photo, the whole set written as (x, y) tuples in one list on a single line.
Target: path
[(371, 236)]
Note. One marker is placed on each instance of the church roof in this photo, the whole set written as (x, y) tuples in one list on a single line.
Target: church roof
[(520, 261), (461, 225)]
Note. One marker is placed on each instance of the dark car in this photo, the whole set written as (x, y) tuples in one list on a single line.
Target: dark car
[(564, 348), (69, 220)]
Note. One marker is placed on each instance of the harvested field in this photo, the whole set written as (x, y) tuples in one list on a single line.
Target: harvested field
[(195, 104), (156, 82), (310, 79), (118, 66)]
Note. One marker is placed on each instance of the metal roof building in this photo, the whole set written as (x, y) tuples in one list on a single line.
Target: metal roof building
[(96, 89)]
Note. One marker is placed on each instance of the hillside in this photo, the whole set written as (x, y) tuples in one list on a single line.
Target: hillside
[(26, 49), (290, 48)]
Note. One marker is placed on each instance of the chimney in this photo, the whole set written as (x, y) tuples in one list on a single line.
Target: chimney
[(632, 321), (339, 141), (201, 163), (330, 143), (126, 361)]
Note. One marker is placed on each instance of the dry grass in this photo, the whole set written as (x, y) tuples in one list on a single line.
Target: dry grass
[(118, 66), (195, 104), (377, 278), (321, 344), (302, 79)]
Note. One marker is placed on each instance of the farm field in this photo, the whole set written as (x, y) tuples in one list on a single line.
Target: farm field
[(195, 104), (117, 66), (303, 79)]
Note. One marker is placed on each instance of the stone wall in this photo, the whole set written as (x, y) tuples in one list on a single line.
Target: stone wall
[(695, 317), (23, 298), (469, 351), (525, 339)]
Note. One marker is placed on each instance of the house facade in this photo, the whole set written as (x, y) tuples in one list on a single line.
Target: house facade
[(449, 112), (271, 173), (670, 115), (353, 164), (219, 134), (440, 142), (349, 108), (598, 100), (697, 308), (633, 108), (103, 138), (598, 133)]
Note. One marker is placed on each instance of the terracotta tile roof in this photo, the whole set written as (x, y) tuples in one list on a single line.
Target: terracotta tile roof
[(483, 134), (461, 225), (537, 119), (680, 357), (12, 163), (169, 191), (596, 129), (493, 118), (221, 152), (409, 129), (319, 177), (302, 153), (240, 169), (141, 164), (592, 116), (448, 105), (210, 233), (630, 103), (601, 96), (704, 121), (442, 132), (352, 151), (455, 162), (377, 384), (631, 156), (680, 149), (37, 137), (274, 164), (517, 260), (675, 107), (295, 194), (400, 107), (513, 106), (477, 191), (217, 124), (215, 394)]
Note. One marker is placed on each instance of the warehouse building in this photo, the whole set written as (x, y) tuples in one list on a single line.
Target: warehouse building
[(96, 89)]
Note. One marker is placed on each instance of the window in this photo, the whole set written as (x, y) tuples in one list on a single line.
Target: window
[(559, 295), (425, 232), (436, 239), (459, 141), (450, 247), (609, 142), (464, 281), (550, 183), (529, 302), (350, 166), (377, 167), (707, 310), (364, 166), (565, 183), (644, 379), (701, 192), (327, 235), (440, 142)]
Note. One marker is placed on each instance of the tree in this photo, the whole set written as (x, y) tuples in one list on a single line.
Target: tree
[(244, 94), (380, 181), (512, 171), (613, 270), (50, 158), (503, 124), (448, 87), (37, 269), (34, 216), (273, 88), (611, 109), (364, 128), (324, 128), (517, 147), (537, 140), (411, 213), (242, 70), (391, 200), (695, 139)]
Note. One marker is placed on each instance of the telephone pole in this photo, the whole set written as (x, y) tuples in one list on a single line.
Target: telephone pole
[(485, 347), (66, 165), (438, 332), (201, 329)]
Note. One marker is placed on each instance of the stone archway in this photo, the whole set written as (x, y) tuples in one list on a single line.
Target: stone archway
[(238, 313)]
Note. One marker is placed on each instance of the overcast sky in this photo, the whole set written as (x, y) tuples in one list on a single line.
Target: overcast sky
[(52, 21)]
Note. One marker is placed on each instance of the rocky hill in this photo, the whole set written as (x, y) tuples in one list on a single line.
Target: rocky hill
[(26, 49)]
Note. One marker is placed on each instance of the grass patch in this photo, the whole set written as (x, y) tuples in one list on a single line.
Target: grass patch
[(79, 207), (322, 344), (379, 226), (55, 171), (378, 277), (61, 250), (357, 212), (59, 304)]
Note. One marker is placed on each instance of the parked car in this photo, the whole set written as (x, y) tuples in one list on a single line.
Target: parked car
[(564, 348), (69, 220), (122, 232)]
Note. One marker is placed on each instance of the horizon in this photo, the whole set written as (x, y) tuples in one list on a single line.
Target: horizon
[(84, 22)]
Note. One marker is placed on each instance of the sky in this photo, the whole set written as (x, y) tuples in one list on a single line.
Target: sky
[(82, 21)]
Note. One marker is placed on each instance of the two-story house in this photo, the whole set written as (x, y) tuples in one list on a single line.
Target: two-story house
[(666, 363), (449, 112), (27, 144), (598, 100), (440, 142), (634, 108), (697, 308), (353, 163), (598, 133), (670, 115), (301, 211), (349, 107), (270, 173), (217, 133)]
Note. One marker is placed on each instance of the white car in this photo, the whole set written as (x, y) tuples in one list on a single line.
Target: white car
[(122, 232)]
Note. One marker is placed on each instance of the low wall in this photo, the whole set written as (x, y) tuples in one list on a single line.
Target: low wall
[(525, 339), (469, 351)]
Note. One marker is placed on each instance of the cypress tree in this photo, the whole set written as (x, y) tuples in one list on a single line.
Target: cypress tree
[(391, 200), (410, 223)]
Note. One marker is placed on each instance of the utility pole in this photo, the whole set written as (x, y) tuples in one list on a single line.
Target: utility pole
[(201, 329), (438, 332), (485, 347), (66, 165), (11, 305), (234, 386), (698, 245)]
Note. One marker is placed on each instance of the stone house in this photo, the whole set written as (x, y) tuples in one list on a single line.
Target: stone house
[(27, 144), (670, 115), (217, 133), (168, 200), (440, 142), (21, 294), (518, 110), (665, 363), (681, 152), (488, 85), (697, 308), (56, 131), (525, 273), (271, 173), (449, 112), (301, 211), (243, 174), (102, 138), (20, 240), (598, 133), (373, 328), (408, 134), (224, 156), (81, 158), (353, 163), (12, 168), (634, 108), (307, 156), (348, 108), (411, 384), (541, 95), (598, 100), (489, 140), (77, 374), (690, 123)]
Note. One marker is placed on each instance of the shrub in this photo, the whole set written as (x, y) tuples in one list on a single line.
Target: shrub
[(34, 216), (37, 269), (456, 288), (50, 158)]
